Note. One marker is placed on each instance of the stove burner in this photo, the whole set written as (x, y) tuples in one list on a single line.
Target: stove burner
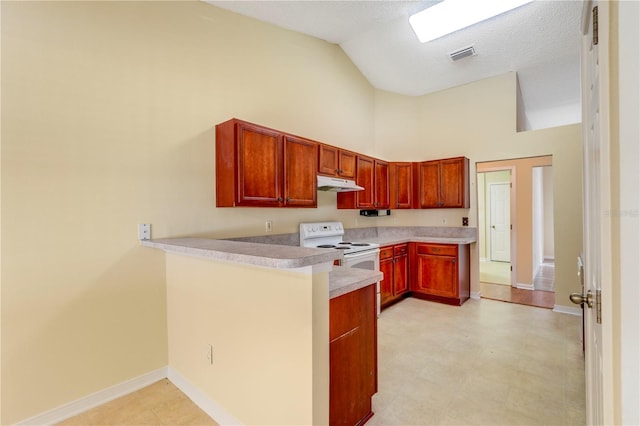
[(326, 246), (344, 242), (360, 244), (343, 247)]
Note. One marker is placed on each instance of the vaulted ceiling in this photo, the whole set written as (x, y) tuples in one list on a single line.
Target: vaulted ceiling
[(540, 41)]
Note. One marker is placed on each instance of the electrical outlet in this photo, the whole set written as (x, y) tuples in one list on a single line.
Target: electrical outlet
[(209, 353), (268, 226), (144, 231), (465, 221)]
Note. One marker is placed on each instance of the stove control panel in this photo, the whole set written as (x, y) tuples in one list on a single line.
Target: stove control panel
[(320, 229)]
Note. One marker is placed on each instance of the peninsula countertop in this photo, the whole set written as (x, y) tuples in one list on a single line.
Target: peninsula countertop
[(259, 254)]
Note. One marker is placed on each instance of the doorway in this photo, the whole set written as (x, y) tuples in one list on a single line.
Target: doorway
[(515, 243), (494, 211)]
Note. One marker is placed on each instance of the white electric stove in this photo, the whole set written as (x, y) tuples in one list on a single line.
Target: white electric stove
[(356, 254)]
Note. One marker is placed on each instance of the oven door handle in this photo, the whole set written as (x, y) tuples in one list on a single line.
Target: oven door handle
[(360, 254)]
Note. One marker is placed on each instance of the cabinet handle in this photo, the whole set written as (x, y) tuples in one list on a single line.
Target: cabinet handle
[(288, 199), (453, 261), (279, 199)]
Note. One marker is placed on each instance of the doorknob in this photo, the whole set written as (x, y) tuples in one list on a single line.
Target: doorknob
[(493, 226), (579, 299)]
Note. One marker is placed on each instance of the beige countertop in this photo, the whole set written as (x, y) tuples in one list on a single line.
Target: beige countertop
[(345, 280), (341, 280), (268, 255)]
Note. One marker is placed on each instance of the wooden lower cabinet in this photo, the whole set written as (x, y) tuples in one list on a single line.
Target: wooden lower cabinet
[(353, 356), (440, 272), (394, 264)]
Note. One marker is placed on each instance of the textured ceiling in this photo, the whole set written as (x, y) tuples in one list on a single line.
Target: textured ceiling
[(540, 41)]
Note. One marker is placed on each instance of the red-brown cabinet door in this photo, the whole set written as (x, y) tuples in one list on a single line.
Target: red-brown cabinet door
[(365, 177), (429, 184), (400, 274), (300, 181), (381, 185), (401, 185), (346, 164), (451, 182), (437, 275), (259, 165)]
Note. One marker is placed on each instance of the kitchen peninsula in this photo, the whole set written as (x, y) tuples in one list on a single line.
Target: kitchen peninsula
[(262, 310)]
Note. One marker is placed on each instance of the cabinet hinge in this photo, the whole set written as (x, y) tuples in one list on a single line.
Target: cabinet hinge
[(595, 25), (599, 306)]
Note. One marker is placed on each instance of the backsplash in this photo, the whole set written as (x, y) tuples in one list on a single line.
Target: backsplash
[(364, 234)]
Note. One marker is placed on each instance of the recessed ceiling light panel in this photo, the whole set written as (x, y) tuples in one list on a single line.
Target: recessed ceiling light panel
[(452, 15)]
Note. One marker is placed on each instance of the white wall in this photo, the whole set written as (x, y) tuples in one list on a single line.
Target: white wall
[(538, 219), (547, 195)]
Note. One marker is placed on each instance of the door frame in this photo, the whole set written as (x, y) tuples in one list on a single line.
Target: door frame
[(513, 217)]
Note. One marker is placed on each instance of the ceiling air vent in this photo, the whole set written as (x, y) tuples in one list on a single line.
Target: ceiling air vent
[(462, 53)]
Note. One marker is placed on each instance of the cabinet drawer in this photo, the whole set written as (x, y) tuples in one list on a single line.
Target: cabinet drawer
[(386, 252), (438, 249), (400, 250)]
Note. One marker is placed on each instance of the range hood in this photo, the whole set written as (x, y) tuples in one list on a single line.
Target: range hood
[(326, 183)]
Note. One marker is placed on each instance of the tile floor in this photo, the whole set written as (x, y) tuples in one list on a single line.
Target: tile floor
[(158, 404), (546, 276), (484, 363)]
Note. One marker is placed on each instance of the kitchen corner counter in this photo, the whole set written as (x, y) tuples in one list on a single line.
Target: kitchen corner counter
[(266, 255), (344, 280)]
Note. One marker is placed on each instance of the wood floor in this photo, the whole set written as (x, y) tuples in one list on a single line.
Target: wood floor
[(542, 296), (504, 293)]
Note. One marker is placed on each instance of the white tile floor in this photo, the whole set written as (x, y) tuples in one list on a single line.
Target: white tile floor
[(484, 363)]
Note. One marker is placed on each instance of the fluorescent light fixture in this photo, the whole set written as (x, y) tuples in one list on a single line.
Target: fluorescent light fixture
[(452, 15)]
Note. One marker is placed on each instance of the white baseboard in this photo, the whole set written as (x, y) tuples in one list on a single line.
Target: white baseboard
[(567, 310), (98, 398), (484, 259), (475, 295), (215, 411), (524, 286)]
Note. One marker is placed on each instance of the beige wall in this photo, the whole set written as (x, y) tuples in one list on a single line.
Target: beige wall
[(108, 121), (478, 120), (270, 354)]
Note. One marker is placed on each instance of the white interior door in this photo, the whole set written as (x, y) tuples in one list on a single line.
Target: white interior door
[(500, 221), (596, 212)]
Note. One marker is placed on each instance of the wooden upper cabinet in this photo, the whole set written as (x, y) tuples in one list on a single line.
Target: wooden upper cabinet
[(261, 167), (365, 177), (381, 186), (373, 176), (401, 185), (300, 182), (333, 161), (443, 183)]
